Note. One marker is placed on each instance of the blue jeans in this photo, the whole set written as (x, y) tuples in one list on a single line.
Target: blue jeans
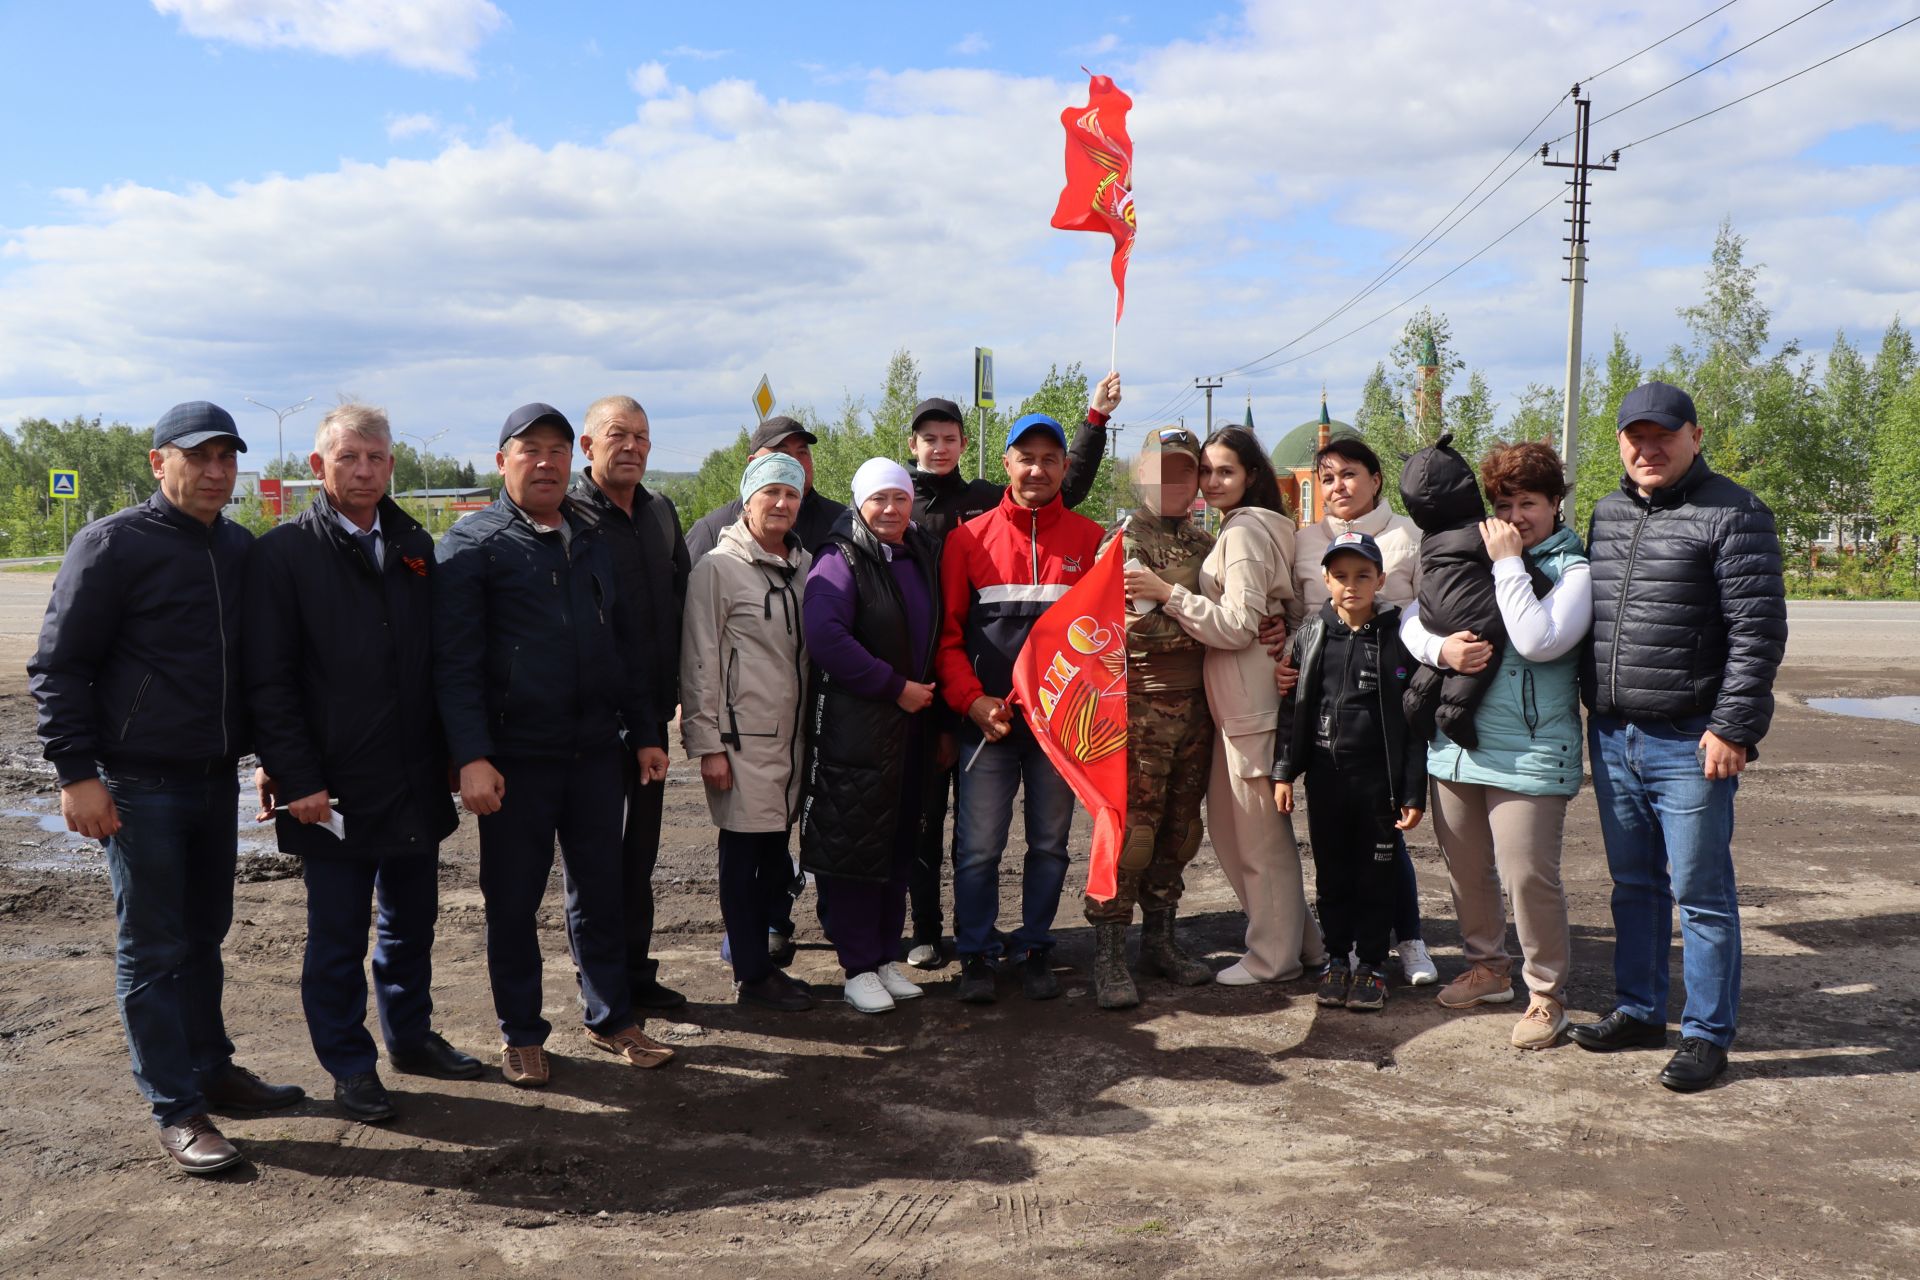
[(983, 815), (333, 976), (1669, 836), (171, 864)]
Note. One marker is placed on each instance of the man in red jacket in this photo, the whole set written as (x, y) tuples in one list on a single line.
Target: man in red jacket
[(998, 573)]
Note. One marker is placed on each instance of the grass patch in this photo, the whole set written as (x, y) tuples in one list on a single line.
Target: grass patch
[(1151, 1227)]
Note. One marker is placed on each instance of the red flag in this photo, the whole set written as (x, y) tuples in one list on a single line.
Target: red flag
[(1071, 678), (1099, 190)]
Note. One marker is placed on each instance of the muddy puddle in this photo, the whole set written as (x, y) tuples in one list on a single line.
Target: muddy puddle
[(1906, 708)]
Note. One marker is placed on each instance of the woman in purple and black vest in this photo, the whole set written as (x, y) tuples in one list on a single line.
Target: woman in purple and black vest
[(871, 618)]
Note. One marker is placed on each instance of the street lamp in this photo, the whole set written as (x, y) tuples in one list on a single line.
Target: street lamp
[(280, 417), (422, 442)]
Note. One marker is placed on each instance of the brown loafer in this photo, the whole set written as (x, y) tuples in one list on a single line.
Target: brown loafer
[(638, 1049), (197, 1147), (525, 1065)]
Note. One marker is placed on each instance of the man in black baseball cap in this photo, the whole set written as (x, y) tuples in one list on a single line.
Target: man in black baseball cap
[(778, 434), (143, 717), (1689, 627), (529, 416)]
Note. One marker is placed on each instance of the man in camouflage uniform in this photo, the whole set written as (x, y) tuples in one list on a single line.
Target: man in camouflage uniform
[(1169, 732)]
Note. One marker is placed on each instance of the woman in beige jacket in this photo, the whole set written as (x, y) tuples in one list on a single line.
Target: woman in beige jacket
[(1246, 578), (743, 662)]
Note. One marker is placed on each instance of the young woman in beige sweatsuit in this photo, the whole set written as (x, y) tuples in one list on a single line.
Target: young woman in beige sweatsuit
[(1247, 578)]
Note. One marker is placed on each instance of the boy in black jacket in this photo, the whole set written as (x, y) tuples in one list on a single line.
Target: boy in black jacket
[(1343, 723)]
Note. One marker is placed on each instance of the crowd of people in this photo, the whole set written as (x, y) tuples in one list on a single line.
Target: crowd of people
[(843, 670)]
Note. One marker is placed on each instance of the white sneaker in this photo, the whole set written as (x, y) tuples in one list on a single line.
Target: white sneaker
[(898, 984), (865, 993), (1417, 964), (1235, 975)]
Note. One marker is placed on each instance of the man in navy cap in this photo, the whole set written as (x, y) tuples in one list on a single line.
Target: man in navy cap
[(534, 687), (137, 678), (1689, 626)]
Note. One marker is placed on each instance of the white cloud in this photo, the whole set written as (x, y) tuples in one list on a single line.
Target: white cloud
[(688, 53), (970, 44), (722, 234), (429, 35), (412, 125), (649, 80)]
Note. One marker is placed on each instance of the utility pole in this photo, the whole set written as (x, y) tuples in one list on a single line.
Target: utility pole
[(1576, 278), (1208, 385)]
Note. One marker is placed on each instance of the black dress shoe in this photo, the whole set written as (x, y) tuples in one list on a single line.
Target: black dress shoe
[(777, 991), (238, 1089), (1037, 979), (197, 1147), (1698, 1064), (363, 1097), (1618, 1030), (435, 1057), (651, 995), (977, 981)]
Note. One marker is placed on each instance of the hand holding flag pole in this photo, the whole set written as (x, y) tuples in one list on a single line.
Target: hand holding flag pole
[(1099, 191)]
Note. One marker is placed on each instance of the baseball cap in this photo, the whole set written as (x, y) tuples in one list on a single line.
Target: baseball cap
[(1359, 543), (532, 415), (195, 422), (935, 407), (1036, 422), (774, 430), (1175, 440), (1660, 403)]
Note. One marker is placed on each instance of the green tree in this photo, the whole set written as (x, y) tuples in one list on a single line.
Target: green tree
[(1896, 472), (1469, 415), (1847, 430), (1779, 454), (1729, 326), (1597, 471)]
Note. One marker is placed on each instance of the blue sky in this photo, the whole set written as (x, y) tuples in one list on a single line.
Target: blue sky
[(490, 201)]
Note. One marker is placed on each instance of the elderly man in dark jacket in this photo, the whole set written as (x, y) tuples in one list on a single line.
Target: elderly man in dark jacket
[(138, 682), (650, 566), (534, 687), (339, 672), (1689, 626)]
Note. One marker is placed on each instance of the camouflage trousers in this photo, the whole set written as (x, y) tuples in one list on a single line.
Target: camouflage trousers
[(1169, 751)]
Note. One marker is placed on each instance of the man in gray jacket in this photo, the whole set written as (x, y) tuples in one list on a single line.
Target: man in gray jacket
[(1689, 626)]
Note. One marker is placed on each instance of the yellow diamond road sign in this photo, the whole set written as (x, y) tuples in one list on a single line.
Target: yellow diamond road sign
[(763, 397), (63, 484)]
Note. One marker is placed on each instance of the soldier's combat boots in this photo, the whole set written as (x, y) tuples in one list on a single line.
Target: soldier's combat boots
[(1112, 985), (1160, 952)]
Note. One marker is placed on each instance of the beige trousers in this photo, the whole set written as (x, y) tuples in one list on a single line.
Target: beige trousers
[(1488, 836), (1254, 842)]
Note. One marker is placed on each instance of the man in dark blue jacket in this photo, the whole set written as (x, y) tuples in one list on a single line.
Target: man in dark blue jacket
[(1689, 626), (138, 683), (339, 673), (534, 687)]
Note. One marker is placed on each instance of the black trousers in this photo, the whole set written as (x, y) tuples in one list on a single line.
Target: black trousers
[(639, 852), (930, 856), (756, 894), (1350, 819)]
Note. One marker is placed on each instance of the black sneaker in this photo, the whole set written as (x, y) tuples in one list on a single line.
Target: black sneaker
[(1369, 990), (1333, 985), (977, 981), (1037, 979)]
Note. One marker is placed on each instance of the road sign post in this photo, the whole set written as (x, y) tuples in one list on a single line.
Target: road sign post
[(983, 396), (64, 484), (763, 399)]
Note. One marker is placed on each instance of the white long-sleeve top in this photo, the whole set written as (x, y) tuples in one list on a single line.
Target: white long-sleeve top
[(1541, 629)]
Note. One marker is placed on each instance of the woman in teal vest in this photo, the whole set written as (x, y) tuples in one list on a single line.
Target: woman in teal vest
[(1500, 809)]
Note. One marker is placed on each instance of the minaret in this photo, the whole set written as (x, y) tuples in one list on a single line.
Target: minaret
[(1249, 423), (1426, 400), (1326, 423)]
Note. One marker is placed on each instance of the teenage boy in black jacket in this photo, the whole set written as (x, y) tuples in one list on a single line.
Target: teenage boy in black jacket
[(1343, 724), (138, 683), (339, 670)]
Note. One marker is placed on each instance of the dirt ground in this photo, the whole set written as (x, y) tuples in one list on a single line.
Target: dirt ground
[(1209, 1133)]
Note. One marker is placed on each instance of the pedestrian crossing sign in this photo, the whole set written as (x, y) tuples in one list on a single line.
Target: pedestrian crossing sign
[(63, 484)]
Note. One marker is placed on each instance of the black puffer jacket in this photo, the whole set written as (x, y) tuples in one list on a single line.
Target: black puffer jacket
[(859, 748), (1439, 493), (1404, 767), (339, 663), (139, 661), (1689, 609)]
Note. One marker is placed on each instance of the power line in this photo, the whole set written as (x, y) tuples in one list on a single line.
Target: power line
[(1657, 43), (1697, 70), (1776, 84)]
